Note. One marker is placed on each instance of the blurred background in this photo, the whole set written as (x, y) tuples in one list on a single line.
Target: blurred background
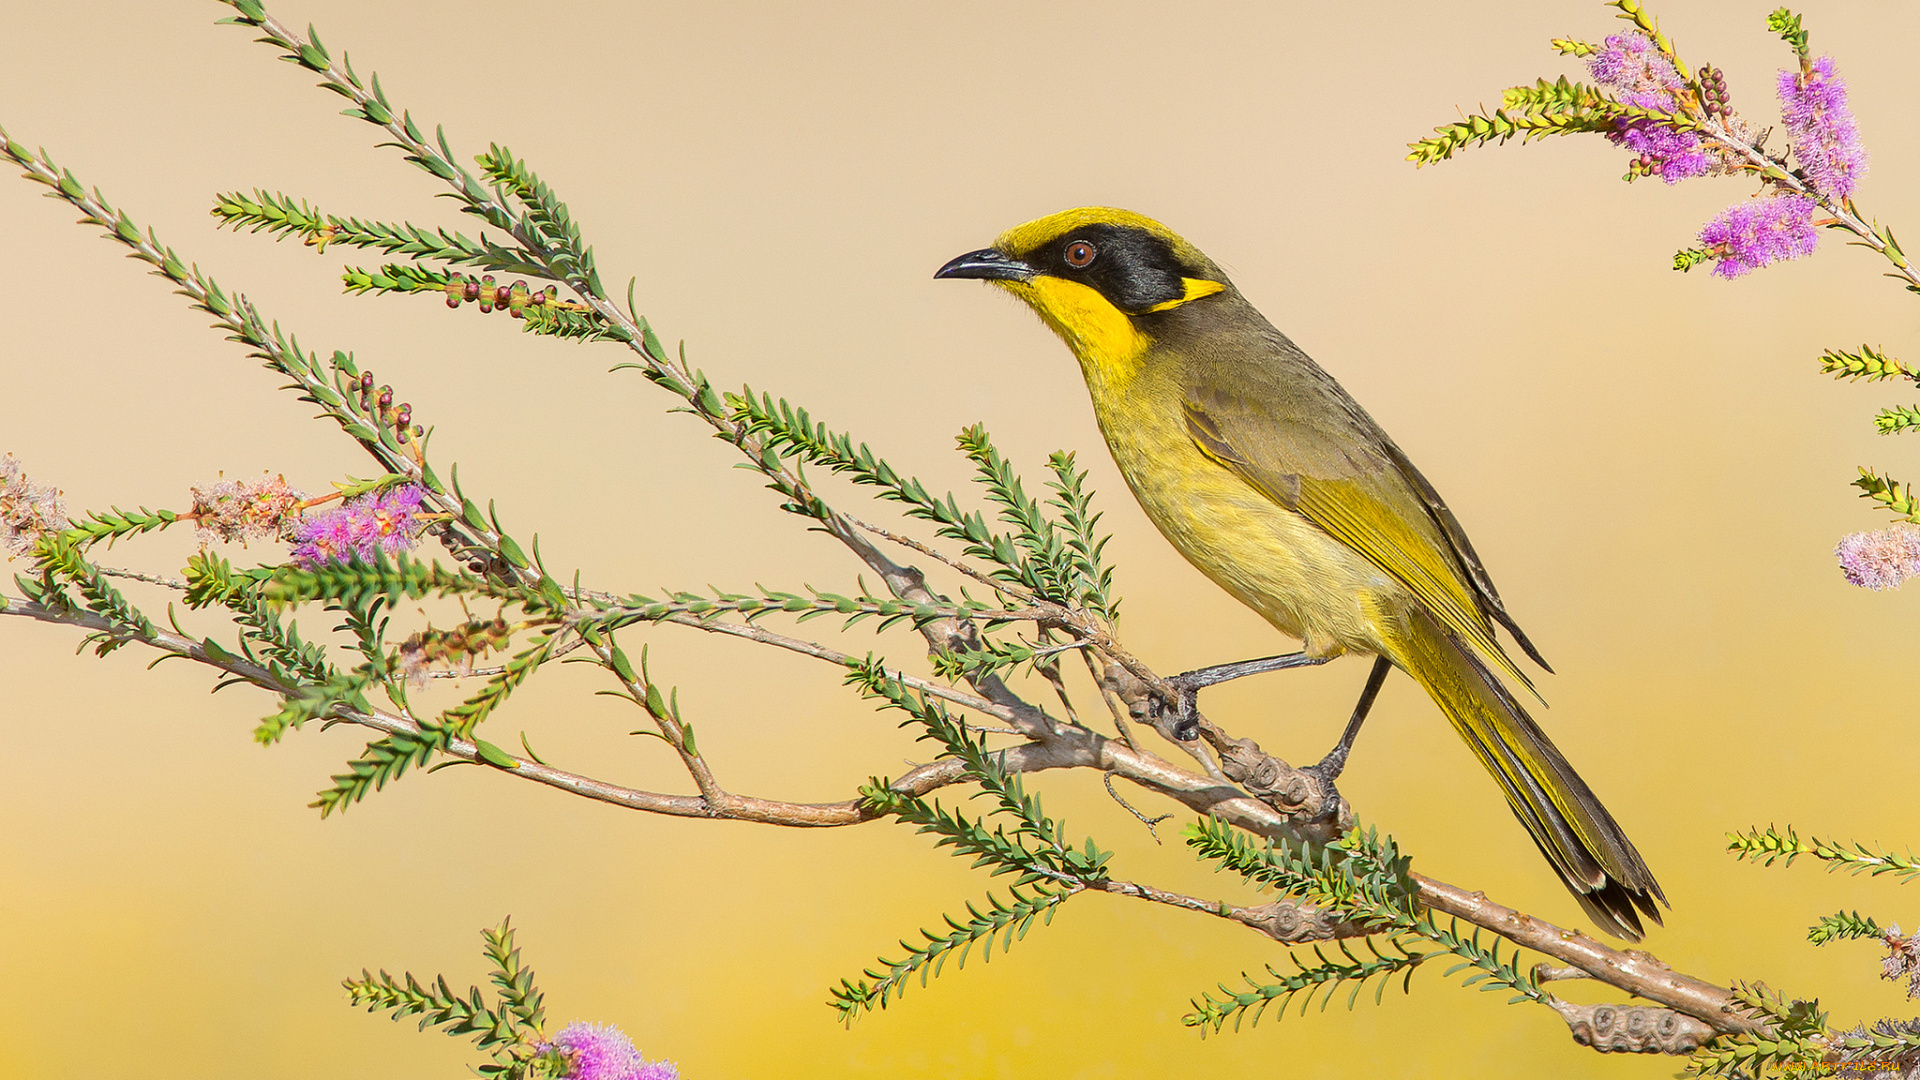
[(1650, 464)]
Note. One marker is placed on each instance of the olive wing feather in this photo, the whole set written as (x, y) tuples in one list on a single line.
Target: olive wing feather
[(1331, 463)]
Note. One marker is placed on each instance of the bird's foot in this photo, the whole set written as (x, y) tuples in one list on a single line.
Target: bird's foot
[(1186, 706), (1330, 767), (1327, 770)]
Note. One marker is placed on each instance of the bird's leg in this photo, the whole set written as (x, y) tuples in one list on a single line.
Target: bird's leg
[(1336, 760), (1188, 684)]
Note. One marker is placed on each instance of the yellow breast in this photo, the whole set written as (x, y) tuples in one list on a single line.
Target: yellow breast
[(1303, 581)]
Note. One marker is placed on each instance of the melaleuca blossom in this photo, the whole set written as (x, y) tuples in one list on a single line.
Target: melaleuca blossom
[(586, 1051), (1760, 231), (1633, 68), (1881, 559), (1825, 143), (1821, 135), (362, 528), (243, 509), (28, 511), (1820, 128), (1903, 959)]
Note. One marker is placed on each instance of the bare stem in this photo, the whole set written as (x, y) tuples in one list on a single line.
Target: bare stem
[(983, 578)]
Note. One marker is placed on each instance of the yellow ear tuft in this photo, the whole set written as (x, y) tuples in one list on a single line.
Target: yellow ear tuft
[(1195, 289)]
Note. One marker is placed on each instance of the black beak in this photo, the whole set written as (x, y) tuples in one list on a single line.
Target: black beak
[(989, 264)]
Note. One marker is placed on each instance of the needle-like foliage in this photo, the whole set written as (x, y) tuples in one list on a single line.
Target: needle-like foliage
[(363, 556)]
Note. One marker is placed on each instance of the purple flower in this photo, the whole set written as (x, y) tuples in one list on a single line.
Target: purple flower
[(1820, 128), (1630, 65), (1671, 155), (360, 529), (1881, 559), (1749, 235), (603, 1052)]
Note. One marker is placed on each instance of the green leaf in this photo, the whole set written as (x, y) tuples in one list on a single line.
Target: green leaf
[(493, 755)]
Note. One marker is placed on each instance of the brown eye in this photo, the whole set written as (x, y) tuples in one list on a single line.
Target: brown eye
[(1079, 254)]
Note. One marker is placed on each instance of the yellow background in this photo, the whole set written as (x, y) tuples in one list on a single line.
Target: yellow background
[(1649, 463)]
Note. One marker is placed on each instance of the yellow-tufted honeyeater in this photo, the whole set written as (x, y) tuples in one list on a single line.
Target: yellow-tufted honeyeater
[(1271, 480)]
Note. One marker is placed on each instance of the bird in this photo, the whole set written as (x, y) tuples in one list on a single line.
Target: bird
[(1270, 478)]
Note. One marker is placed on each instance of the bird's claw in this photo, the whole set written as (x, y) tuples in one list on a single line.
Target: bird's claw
[(1330, 767), (1327, 770), (1186, 708)]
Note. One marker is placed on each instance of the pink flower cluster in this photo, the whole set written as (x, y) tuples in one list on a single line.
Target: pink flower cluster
[(1821, 133), (1630, 65), (1820, 128), (1826, 143), (360, 529), (1752, 234), (604, 1052), (1881, 559)]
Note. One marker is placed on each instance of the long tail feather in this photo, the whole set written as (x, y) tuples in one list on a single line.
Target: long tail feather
[(1582, 841)]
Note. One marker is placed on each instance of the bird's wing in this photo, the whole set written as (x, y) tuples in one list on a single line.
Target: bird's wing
[(1326, 460), (1477, 575)]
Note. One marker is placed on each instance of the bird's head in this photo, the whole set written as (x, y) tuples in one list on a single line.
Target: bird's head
[(1104, 279)]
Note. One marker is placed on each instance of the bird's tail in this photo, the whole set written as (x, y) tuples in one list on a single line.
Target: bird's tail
[(1578, 836)]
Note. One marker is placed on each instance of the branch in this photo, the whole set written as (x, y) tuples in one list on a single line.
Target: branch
[(1636, 972), (1077, 749), (1633, 1029), (1285, 921)]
